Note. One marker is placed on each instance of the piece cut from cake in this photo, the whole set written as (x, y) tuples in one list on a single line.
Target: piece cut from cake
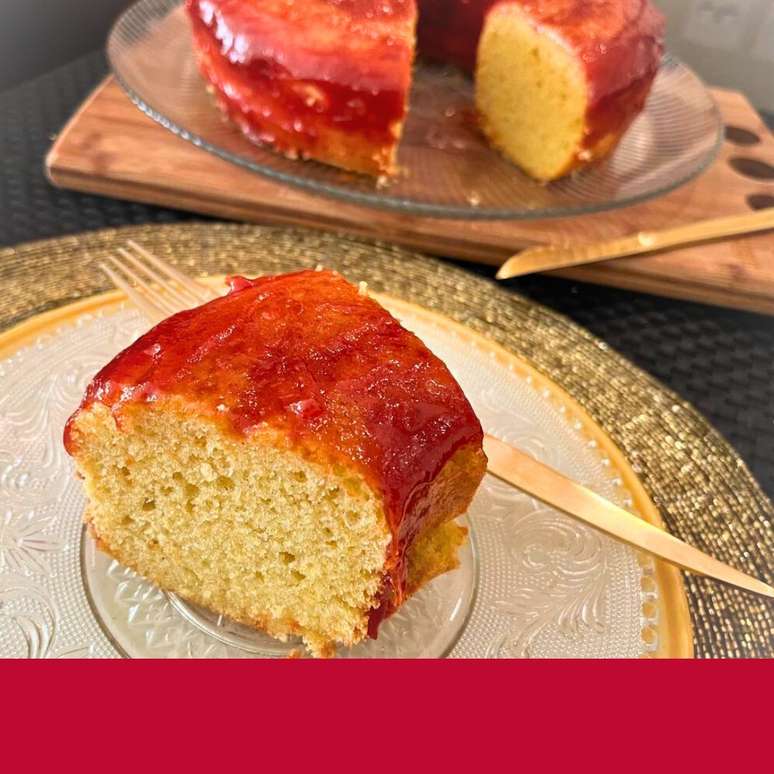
[(287, 455), (317, 79)]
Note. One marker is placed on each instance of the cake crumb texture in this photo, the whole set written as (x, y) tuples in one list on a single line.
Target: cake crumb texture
[(531, 94), (247, 529)]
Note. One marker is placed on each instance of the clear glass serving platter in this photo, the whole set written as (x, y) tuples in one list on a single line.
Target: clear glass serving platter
[(447, 169)]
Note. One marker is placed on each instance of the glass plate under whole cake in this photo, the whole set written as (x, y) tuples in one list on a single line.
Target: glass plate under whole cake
[(532, 582), (447, 169)]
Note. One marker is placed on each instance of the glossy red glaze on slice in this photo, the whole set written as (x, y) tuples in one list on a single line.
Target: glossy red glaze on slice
[(309, 356)]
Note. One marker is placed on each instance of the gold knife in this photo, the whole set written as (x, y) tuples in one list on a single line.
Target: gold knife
[(547, 485), (511, 465), (548, 257)]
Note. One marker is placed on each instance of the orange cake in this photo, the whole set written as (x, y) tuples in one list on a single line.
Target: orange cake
[(557, 82), (287, 455)]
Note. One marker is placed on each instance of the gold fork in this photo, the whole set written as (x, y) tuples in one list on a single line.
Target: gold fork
[(160, 290)]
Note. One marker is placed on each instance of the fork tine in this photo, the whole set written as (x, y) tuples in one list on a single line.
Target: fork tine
[(143, 288), (147, 307), (199, 291), (182, 299)]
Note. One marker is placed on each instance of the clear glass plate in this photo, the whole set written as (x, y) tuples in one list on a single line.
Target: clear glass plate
[(447, 168), (532, 581)]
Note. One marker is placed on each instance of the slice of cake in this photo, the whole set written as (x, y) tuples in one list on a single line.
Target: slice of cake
[(320, 79), (287, 455), (557, 82)]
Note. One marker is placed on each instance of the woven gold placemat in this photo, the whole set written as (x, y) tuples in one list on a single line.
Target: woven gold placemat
[(704, 491)]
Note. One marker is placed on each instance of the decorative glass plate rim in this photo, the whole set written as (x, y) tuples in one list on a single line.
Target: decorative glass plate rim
[(672, 622), (403, 205)]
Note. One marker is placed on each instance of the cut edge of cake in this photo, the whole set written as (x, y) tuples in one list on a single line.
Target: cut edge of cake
[(538, 102), (531, 94), (271, 536)]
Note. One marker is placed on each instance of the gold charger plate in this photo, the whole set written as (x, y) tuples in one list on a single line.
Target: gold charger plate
[(672, 460)]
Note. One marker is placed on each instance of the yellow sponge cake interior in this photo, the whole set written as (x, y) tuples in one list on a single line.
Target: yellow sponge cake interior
[(530, 94)]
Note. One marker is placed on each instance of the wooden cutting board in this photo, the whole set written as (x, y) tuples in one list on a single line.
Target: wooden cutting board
[(109, 147)]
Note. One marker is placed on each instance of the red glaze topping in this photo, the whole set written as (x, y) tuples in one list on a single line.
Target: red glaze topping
[(355, 43), (305, 353), (448, 30), (618, 41), (311, 77)]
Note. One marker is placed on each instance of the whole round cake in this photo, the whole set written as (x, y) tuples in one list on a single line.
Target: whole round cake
[(557, 82)]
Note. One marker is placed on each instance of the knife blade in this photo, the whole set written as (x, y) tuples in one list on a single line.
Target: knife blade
[(552, 488), (551, 257)]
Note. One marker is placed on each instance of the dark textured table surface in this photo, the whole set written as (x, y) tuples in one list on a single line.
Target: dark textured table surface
[(722, 361)]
